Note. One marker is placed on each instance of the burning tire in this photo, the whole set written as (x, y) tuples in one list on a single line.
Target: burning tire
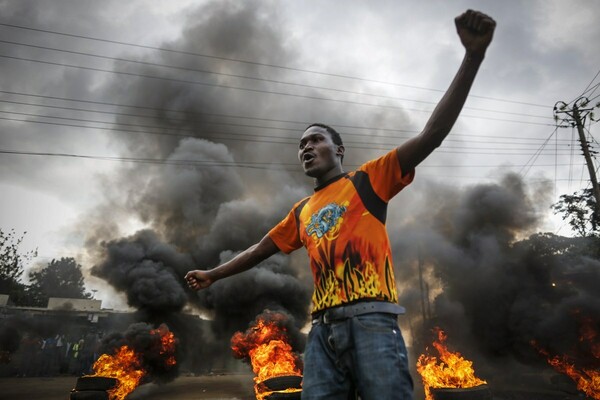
[(95, 383), (93, 388), (481, 392), (89, 395), (283, 382), (284, 396)]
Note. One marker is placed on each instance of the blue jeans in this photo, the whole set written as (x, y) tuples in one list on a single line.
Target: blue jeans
[(365, 353)]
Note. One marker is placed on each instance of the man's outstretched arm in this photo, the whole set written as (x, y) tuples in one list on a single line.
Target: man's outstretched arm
[(475, 31), (199, 279)]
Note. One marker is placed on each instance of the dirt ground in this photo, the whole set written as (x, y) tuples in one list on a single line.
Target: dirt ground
[(183, 388)]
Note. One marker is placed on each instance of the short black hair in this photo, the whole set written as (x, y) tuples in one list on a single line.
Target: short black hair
[(335, 136)]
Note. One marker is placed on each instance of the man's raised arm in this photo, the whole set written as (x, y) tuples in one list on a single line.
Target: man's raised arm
[(199, 279), (475, 31)]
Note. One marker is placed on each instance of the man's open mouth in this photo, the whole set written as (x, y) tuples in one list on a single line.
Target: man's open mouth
[(307, 157)]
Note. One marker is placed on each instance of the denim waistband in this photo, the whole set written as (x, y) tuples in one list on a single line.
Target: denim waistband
[(352, 310)]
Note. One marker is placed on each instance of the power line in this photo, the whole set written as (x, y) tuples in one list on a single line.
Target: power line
[(182, 81), (287, 141), (535, 156), (196, 163), (262, 79), (189, 131), (163, 110), (217, 73), (590, 84), (253, 63), (213, 163), (598, 95)]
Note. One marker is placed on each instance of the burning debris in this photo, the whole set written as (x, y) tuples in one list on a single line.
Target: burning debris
[(125, 367), (266, 345), (587, 378), (494, 283), (452, 370), (148, 355)]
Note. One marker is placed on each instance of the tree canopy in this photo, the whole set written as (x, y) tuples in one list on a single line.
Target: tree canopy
[(60, 278), (579, 209), (12, 262)]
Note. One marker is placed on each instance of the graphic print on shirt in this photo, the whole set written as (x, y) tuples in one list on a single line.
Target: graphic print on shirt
[(353, 280), (354, 276), (326, 222)]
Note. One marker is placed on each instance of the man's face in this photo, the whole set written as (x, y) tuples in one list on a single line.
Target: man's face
[(317, 152)]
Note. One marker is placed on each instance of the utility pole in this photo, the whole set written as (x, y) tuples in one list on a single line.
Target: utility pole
[(575, 117), (421, 285)]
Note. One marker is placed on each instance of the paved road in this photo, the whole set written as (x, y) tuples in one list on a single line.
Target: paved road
[(225, 387), (183, 388)]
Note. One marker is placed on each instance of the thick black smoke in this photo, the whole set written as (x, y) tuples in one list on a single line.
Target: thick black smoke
[(155, 358), (271, 285), (203, 214), (147, 270), (492, 285)]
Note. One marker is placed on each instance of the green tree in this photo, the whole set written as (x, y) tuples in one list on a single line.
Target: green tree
[(60, 278), (12, 262), (579, 209)]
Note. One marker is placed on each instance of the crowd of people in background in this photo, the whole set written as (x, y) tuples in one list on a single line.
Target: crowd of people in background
[(58, 354)]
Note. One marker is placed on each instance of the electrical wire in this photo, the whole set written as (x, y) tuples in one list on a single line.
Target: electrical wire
[(535, 156), (272, 92), (361, 93), (587, 88), (205, 114), (213, 163), (281, 140), (175, 51), (188, 132)]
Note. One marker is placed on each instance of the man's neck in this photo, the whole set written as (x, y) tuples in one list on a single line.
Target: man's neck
[(329, 175)]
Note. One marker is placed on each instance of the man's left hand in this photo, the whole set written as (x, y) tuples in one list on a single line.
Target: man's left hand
[(475, 30)]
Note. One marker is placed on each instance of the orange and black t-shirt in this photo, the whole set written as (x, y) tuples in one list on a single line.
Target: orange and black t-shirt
[(342, 226)]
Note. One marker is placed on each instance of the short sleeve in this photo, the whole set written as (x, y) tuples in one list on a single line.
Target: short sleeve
[(285, 234), (387, 179)]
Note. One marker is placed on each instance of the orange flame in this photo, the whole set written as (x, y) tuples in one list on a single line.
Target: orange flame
[(167, 344), (453, 371), (266, 346), (126, 364), (586, 379), (590, 335)]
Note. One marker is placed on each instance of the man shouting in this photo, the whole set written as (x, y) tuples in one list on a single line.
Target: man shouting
[(355, 343)]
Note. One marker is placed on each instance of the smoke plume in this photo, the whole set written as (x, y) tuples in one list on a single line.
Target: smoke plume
[(492, 283), (199, 208)]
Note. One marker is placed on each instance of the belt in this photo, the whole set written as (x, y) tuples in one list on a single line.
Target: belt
[(365, 307)]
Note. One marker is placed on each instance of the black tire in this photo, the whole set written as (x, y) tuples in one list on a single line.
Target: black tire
[(481, 392), (95, 383), (89, 395), (283, 382), (284, 396)]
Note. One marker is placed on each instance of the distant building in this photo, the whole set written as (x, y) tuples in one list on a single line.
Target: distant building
[(57, 303)]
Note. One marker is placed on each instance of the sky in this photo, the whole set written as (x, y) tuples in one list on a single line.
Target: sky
[(183, 117)]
